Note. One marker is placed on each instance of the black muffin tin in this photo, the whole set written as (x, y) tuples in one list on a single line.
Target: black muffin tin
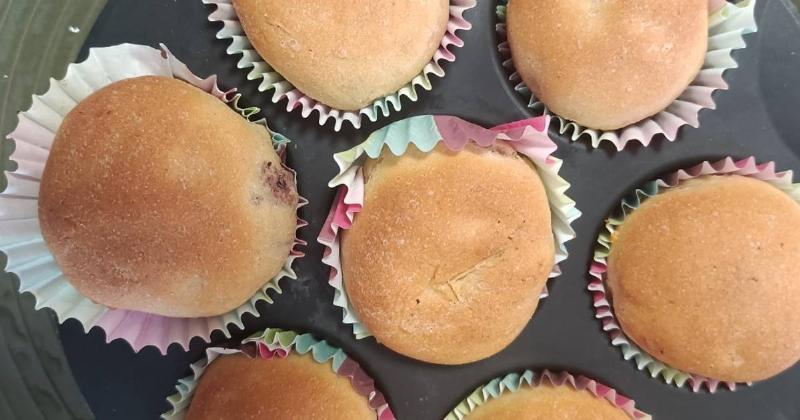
[(759, 115)]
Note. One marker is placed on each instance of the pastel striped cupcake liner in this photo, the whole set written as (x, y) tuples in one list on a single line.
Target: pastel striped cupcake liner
[(513, 382), (728, 23), (527, 137), (20, 236), (280, 343), (597, 273), (282, 89)]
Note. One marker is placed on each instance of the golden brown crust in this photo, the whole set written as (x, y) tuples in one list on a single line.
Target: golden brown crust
[(547, 402), (296, 387), (446, 260), (345, 53), (704, 277), (608, 64), (157, 197)]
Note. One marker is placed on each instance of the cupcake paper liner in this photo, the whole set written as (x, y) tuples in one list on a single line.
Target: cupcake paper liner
[(271, 79), (513, 382), (603, 308), (527, 137), (728, 23), (280, 343), (20, 235)]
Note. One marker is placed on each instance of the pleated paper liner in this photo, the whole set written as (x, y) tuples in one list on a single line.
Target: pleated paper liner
[(280, 343), (528, 137), (597, 273), (271, 79), (728, 23), (513, 382), (20, 236)]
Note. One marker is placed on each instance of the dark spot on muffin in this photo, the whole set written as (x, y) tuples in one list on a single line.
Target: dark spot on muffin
[(279, 182), (503, 149), (256, 199), (417, 301), (754, 278)]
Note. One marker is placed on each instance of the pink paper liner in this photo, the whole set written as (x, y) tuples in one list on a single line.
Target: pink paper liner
[(597, 272), (226, 14), (139, 329)]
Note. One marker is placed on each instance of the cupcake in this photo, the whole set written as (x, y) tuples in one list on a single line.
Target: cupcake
[(238, 386), (701, 276), (157, 197), (278, 375), (622, 72), (547, 402), (345, 54), (442, 238), (545, 396), (343, 59), (430, 257), (633, 60), (145, 203)]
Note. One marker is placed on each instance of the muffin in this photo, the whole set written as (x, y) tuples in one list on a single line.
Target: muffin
[(443, 240), (345, 54), (157, 197), (703, 277), (548, 402), (607, 65), (237, 386)]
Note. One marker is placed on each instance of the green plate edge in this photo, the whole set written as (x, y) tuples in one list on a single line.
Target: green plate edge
[(38, 39)]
